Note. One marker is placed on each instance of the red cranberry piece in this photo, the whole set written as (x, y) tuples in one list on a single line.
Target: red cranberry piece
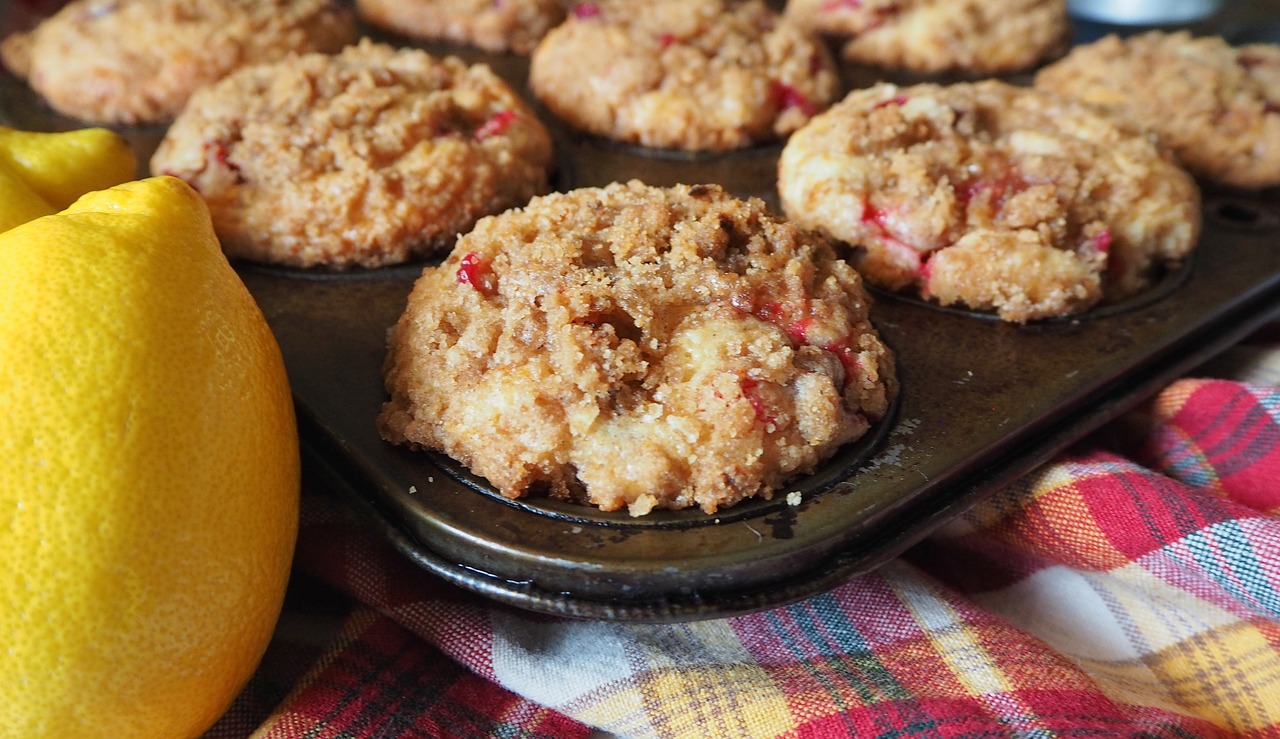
[(1102, 241), (773, 312), (895, 100), (1000, 187), (496, 124), (473, 270), (788, 97), (847, 356), (218, 150), (751, 393)]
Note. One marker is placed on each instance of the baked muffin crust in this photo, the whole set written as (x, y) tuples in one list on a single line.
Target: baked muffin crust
[(697, 75), (991, 196), (138, 61), (636, 347), (510, 25), (1217, 106), (974, 36), (371, 157)]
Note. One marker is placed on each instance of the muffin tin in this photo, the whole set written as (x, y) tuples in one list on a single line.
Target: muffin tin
[(982, 403)]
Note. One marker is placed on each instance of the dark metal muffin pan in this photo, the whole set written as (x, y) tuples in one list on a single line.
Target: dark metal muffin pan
[(982, 402)]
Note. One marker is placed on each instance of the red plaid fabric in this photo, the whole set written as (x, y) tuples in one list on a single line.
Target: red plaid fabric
[(1130, 588)]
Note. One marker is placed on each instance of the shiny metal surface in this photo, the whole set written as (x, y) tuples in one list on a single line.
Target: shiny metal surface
[(1144, 12)]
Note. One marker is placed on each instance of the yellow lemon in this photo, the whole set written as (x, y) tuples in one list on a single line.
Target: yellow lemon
[(60, 167), (18, 202), (149, 491), (42, 173)]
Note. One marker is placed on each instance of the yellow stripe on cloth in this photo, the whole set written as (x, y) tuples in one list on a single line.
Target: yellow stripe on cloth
[(976, 669), (1150, 643), (732, 701), (693, 679), (1042, 515), (1230, 676), (718, 689), (1157, 614)]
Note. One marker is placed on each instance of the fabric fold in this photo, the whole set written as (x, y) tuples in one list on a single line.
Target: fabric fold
[(1130, 587)]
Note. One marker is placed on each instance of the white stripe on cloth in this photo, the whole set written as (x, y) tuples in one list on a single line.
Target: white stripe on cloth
[(972, 665)]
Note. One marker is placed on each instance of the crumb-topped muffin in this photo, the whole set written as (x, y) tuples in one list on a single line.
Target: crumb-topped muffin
[(1217, 106), (639, 348), (370, 157), (974, 36), (697, 75), (492, 25), (138, 61), (990, 196)]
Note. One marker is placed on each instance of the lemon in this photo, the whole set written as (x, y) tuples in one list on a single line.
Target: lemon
[(42, 173), (18, 202), (149, 491)]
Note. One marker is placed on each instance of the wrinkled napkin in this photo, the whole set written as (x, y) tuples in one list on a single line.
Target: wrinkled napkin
[(1131, 587)]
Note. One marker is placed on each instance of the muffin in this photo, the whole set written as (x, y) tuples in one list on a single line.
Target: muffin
[(694, 75), (991, 196), (1217, 106), (506, 26), (371, 157), (932, 36), (138, 61), (639, 348)]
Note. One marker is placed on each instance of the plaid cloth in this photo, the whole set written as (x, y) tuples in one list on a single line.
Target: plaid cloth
[(1129, 588)]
